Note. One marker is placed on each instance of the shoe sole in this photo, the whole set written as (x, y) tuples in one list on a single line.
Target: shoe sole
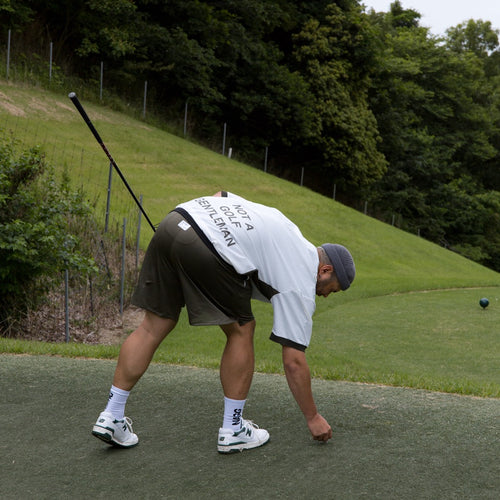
[(107, 436), (239, 447)]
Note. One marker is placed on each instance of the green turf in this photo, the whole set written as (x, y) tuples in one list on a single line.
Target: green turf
[(388, 444), (440, 340), (411, 318)]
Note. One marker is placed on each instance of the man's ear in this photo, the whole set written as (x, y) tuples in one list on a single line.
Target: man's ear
[(326, 268)]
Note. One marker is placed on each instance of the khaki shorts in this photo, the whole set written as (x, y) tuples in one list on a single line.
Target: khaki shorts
[(180, 269)]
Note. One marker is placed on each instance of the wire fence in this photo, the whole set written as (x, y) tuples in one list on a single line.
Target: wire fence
[(41, 69), (79, 307)]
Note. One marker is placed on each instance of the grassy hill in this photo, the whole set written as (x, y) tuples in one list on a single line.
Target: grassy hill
[(411, 317)]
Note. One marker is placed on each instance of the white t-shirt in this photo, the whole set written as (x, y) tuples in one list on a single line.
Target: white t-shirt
[(253, 237)]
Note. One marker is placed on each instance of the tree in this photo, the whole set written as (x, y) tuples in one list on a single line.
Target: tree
[(14, 14), (437, 114), (400, 17), (335, 58), (477, 37)]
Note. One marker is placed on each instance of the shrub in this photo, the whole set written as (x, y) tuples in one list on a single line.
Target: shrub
[(37, 228)]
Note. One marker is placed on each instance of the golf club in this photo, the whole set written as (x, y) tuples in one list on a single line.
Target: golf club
[(79, 107)]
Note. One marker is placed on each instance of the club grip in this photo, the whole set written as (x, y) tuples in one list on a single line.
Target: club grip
[(80, 109)]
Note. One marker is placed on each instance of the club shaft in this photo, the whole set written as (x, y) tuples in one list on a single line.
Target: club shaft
[(85, 117)]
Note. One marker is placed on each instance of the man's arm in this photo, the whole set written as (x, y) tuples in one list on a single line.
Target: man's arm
[(299, 380)]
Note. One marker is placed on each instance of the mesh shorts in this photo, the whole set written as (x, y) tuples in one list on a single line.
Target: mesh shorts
[(180, 270)]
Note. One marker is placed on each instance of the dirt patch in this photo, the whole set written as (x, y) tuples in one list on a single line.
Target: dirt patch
[(66, 107), (47, 323), (11, 108), (50, 109), (131, 319)]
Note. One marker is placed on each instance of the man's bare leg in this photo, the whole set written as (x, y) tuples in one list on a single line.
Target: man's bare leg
[(236, 373), (138, 350), (135, 355), (237, 363)]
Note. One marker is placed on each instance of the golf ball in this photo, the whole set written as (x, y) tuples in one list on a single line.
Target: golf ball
[(484, 302)]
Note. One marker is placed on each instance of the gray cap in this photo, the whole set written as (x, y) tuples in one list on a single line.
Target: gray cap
[(342, 262)]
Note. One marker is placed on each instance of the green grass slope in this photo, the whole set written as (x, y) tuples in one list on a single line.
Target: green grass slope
[(412, 315)]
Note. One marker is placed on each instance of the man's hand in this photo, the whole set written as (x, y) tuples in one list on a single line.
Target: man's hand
[(299, 381), (320, 429)]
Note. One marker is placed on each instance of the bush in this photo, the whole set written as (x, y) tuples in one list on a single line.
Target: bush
[(37, 228)]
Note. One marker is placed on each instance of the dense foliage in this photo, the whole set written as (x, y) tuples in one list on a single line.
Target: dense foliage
[(437, 107), (37, 228), (371, 102)]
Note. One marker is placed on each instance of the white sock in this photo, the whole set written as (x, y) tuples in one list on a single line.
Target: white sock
[(116, 402), (233, 411)]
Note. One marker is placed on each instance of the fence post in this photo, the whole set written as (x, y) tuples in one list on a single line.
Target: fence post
[(66, 304), (366, 208), (145, 96), (138, 240), (185, 118), (122, 275), (110, 177), (334, 190), (101, 79), (224, 140), (8, 54), (302, 177), (91, 294), (50, 62), (265, 160)]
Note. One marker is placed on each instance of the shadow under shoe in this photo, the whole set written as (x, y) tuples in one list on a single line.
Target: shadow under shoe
[(115, 432), (248, 437)]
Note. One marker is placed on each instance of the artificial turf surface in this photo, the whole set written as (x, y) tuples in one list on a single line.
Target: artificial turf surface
[(390, 443)]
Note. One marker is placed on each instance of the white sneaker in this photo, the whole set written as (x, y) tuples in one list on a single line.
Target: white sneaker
[(250, 436), (115, 432)]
